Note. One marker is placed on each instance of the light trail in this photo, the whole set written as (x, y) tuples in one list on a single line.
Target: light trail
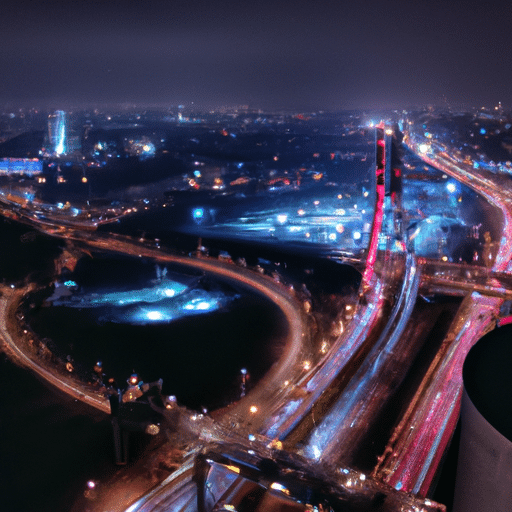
[(414, 453), (9, 301)]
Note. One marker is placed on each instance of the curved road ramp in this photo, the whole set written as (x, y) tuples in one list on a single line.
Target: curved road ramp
[(240, 471)]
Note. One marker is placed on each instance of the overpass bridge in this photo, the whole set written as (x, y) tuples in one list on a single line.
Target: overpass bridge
[(446, 278)]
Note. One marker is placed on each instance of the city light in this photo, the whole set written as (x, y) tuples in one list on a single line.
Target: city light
[(279, 487), (200, 305), (154, 316), (198, 214), (296, 208), (451, 187)]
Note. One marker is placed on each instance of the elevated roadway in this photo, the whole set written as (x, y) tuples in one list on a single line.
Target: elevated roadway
[(305, 383), (340, 434), (363, 363), (445, 278), (418, 443), (312, 401)]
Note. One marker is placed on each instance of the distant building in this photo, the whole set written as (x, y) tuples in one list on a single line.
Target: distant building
[(57, 133), (30, 166), (74, 144)]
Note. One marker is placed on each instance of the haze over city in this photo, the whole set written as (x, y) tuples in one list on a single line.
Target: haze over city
[(283, 54)]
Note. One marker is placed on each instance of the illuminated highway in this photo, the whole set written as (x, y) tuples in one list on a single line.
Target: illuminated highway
[(9, 300), (318, 404), (493, 187), (303, 372), (419, 441), (417, 444)]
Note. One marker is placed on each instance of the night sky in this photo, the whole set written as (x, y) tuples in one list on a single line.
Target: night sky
[(314, 54)]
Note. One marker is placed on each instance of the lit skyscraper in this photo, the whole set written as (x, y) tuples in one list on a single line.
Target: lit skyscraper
[(57, 132)]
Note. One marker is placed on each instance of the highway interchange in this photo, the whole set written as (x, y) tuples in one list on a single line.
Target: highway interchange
[(319, 404)]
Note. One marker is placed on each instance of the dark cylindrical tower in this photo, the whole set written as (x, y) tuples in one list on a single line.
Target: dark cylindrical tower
[(484, 471)]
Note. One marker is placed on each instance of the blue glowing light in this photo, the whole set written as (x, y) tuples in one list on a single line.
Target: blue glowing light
[(163, 290), (451, 187), (168, 311), (154, 315), (198, 213), (168, 292), (483, 131), (164, 302), (200, 305)]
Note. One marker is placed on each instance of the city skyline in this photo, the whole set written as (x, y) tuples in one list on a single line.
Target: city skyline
[(291, 286), (326, 55)]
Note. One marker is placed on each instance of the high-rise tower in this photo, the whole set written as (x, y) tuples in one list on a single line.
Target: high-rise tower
[(57, 132)]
